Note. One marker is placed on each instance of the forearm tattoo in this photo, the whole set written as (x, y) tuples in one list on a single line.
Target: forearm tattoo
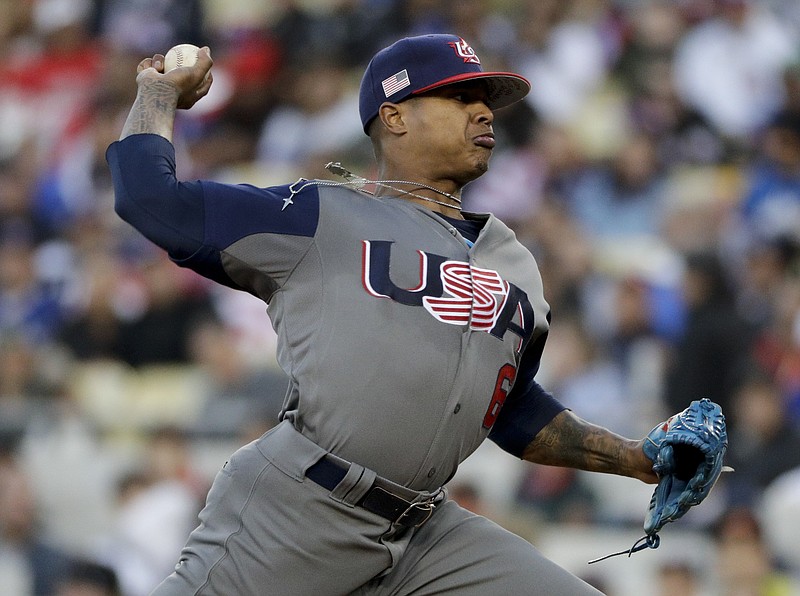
[(571, 442), (153, 111)]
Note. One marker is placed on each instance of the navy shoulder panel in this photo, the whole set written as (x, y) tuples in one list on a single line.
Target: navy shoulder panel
[(233, 212)]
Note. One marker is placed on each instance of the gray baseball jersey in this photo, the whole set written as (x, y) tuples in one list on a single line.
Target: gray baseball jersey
[(401, 338)]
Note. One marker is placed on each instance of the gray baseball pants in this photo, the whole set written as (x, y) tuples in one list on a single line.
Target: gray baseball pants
[(268, 530)]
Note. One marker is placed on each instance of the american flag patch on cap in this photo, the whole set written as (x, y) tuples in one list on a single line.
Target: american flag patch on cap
[(395, 82)]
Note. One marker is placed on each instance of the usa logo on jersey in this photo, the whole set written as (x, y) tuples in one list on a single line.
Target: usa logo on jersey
[(453, 292), (472, 296)]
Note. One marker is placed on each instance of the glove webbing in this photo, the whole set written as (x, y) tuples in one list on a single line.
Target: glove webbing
[(649, 541)]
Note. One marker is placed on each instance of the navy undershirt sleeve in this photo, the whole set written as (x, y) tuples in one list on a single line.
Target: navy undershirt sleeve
[(149, 197), (195, 221), (528, 407)]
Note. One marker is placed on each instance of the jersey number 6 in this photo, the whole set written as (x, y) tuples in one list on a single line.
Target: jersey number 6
[(505, 377)]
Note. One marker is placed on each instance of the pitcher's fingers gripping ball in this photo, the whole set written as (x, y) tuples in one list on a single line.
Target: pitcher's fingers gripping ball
[(181, 55), (185, 67), (687, 452)]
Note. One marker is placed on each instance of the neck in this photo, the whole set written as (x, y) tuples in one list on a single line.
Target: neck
[(434, 199), (444, 186), (441, 196)]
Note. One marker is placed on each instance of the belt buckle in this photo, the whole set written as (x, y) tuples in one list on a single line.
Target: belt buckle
[(426, 506)]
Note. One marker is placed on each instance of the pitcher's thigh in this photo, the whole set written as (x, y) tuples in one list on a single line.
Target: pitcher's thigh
[(264, 532), (458, 552)]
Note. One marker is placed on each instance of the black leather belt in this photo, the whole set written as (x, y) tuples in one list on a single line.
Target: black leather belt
[(328, 473)]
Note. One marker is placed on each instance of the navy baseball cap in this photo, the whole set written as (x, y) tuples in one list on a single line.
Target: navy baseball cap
[(414, 65)]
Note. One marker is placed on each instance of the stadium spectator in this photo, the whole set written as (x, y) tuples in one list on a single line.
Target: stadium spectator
[(712, 351), (87, 578), (34, 566), (729, 66), (765, 443)]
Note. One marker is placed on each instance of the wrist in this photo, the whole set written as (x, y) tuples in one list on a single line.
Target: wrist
[(160, 94), (153, 112), (642, 464)]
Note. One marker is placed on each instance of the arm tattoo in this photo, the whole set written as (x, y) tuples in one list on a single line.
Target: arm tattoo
[(153, 111), (571, 442)]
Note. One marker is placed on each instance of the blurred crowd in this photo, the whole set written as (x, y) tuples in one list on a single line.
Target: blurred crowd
[(653, 171)]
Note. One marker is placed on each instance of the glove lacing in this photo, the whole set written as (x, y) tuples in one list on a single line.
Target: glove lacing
[(648, 541)]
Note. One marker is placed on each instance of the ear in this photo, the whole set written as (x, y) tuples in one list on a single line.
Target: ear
[(391, 116)]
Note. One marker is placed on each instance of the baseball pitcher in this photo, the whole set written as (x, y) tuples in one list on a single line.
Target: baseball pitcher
[(411, 331)]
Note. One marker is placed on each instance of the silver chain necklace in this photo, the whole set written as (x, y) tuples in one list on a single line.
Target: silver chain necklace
[(337, 169), (357, 183)]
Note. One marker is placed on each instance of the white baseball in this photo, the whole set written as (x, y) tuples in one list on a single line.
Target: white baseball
[(184, 54)]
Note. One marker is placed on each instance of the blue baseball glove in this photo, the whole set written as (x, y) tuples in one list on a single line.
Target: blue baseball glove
[(686, 452)]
